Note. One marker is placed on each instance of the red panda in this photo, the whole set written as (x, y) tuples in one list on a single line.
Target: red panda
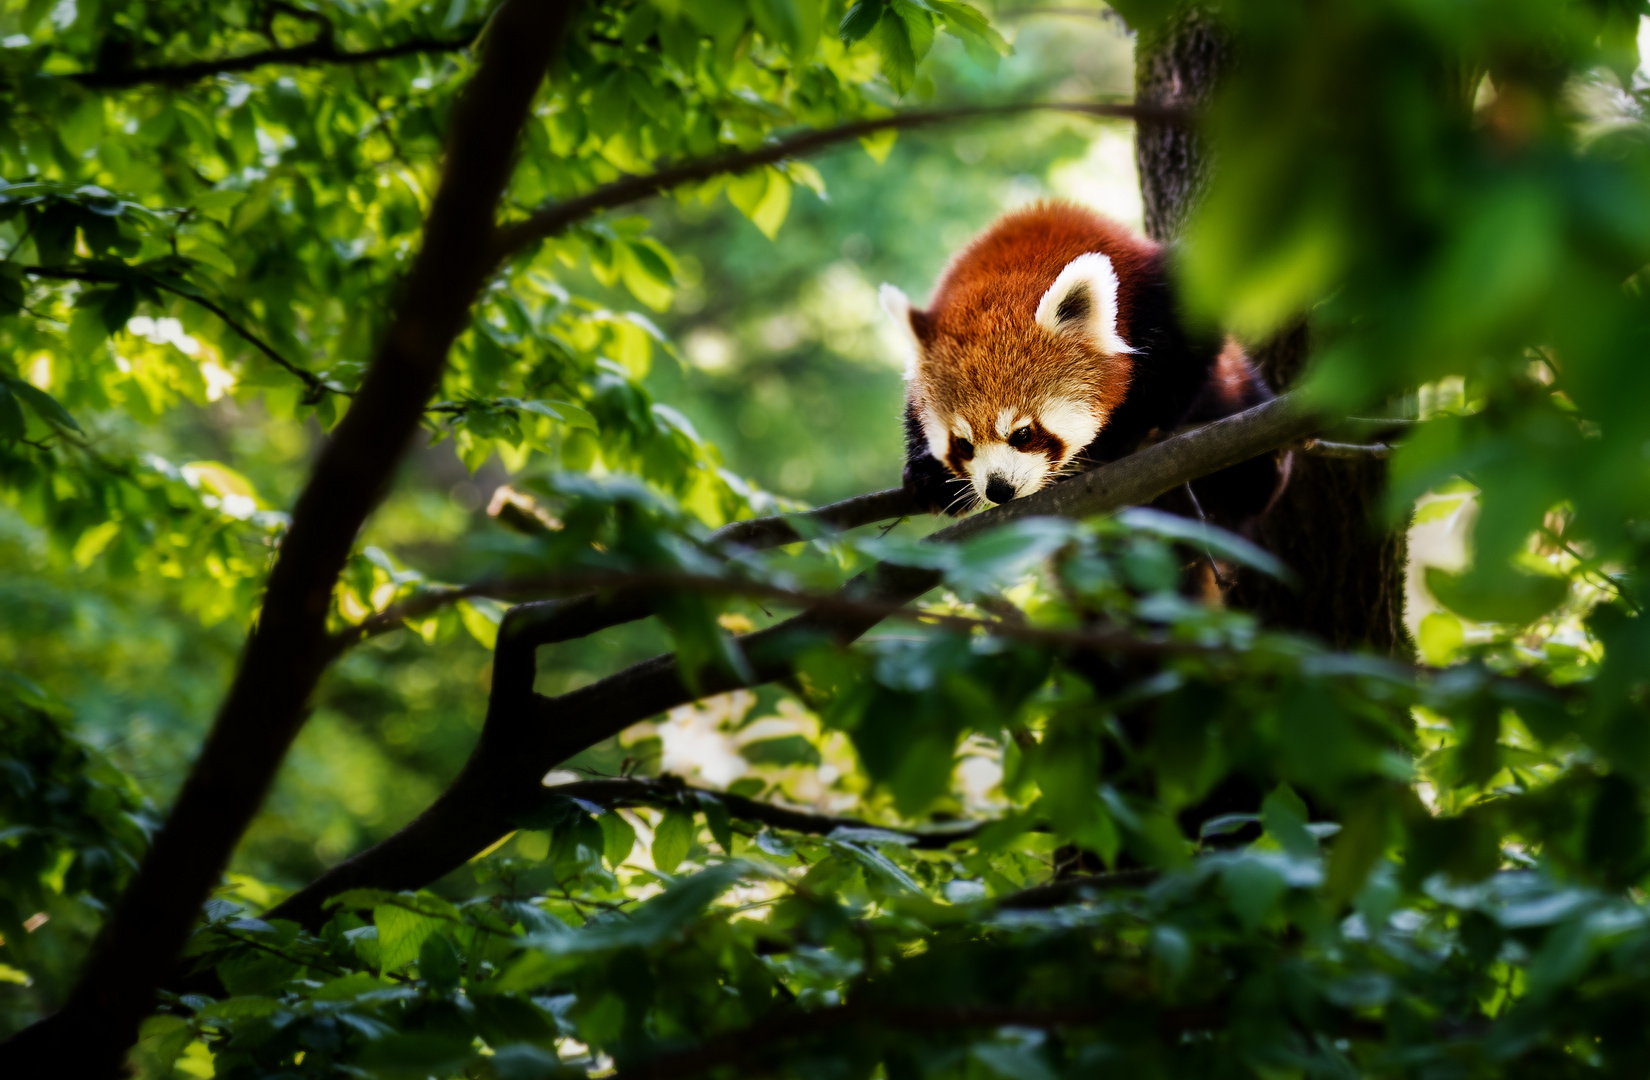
[(1052, 342)]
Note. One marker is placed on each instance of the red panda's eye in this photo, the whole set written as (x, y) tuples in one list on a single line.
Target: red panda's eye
[(965, 449), (1020, 438)]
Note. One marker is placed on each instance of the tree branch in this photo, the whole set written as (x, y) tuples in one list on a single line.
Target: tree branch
[(552, 219), (648, 584), (320, 51), (668, 791), (287, 651), (755, 533), (526, 734), (317, 385)]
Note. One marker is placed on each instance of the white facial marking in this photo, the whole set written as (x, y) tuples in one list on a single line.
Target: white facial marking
[(899, 309), (1087, 289), (1074, 423), (1008, 420), (939, 439), (964, 429), (1025, 472)]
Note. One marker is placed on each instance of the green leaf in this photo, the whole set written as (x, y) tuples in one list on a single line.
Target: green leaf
[(81, 129), (1284, 816), (784, 750), (673, 839), (161, 1041), (438, 962), (1204, 537), (899, 58), (764, 196), (481, 617), (1440, 637), (11, 415), (401, 934), (1506, 597), (618, 838), (488, 361), (719, 821), (117, 308), (417, 1054), (347, 987), (794, 24), (879, 144), (860, 20)]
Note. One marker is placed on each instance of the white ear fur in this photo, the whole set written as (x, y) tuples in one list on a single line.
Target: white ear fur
[(1090, 274), (898, 308)]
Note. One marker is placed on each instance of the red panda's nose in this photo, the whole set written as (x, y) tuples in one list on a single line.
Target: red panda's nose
[(998, 490)]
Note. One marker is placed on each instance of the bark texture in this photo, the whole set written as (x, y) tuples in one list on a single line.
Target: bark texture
[(1326, 524)]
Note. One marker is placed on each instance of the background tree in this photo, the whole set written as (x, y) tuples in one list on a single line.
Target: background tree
[(232, 241)]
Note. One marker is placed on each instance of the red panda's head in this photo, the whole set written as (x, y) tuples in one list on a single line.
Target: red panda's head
[(1020, 360)]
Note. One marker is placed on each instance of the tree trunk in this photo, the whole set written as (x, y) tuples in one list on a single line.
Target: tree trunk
[(1326, 524)]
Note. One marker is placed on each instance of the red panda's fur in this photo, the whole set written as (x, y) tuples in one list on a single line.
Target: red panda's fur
[(991, 352)]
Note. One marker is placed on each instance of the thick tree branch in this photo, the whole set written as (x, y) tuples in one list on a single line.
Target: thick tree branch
[(552, 219), (287, 651), (321, 51), (526, 734)]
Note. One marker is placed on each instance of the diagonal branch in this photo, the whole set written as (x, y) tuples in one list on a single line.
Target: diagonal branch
[(552, 219), (317, 385), (526, 734), (287, 651), (320, 51)]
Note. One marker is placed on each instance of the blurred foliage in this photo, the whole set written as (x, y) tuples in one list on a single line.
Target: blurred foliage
[(1325, 864)]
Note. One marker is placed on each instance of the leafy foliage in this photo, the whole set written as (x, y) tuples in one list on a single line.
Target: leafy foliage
[(72, 829), (1068, 816)]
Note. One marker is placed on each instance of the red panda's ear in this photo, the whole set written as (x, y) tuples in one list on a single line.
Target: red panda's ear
[(914, 325), (1083, 301)]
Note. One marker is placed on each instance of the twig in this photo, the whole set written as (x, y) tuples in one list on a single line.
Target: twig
[(1596, 572), (555, 217), (1073, 889), (1207, 552), (1344, 451), (317, 385)]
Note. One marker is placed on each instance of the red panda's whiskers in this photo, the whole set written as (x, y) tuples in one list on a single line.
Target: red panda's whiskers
[(968, 493)]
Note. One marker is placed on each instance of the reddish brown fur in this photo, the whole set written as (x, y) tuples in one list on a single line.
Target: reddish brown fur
[(983, 351)]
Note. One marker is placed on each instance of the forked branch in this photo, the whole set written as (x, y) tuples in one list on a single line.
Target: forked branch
[(526, 734)]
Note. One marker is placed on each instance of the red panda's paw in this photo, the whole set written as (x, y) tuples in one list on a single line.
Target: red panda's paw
[(935, 490)]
